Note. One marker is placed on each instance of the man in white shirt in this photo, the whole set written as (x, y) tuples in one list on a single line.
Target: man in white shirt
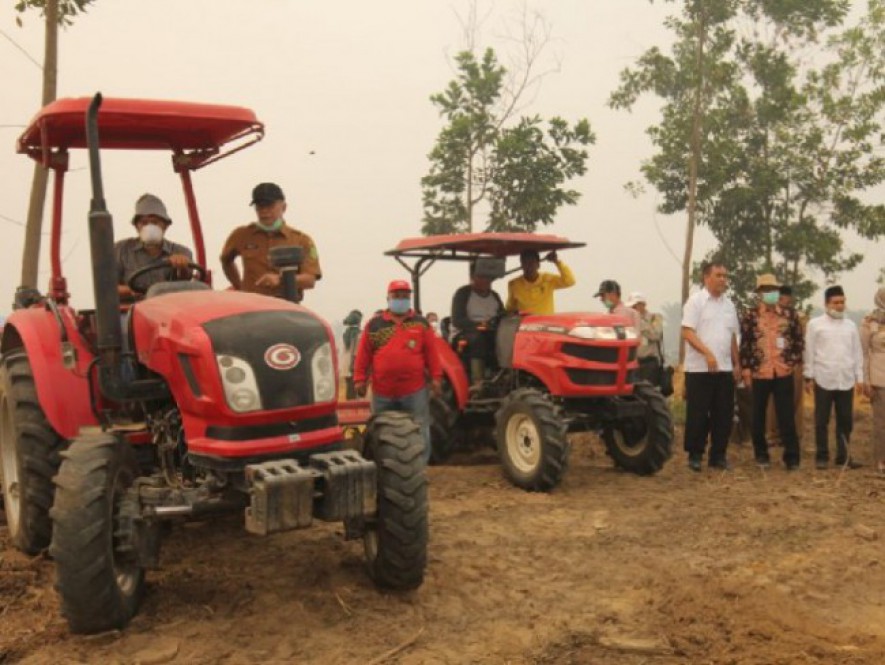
[(834, 371), (709, 328)]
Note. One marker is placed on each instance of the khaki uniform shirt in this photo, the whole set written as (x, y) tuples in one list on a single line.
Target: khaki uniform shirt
[(253, 244)]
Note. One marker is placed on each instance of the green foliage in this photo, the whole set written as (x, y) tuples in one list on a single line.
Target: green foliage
[(790, 144), (518, 171), (67, 9)]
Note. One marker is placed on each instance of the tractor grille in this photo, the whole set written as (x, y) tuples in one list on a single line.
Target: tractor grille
[(591, 377), (249, 336), (598, 354)]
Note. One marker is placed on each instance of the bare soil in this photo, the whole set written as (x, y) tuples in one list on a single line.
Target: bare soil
[(732, 567)]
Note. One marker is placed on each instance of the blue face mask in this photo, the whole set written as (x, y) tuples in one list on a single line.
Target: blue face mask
[(399, 305), (770, 297)]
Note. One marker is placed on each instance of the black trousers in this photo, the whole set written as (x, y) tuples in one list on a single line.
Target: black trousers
[(650, 370), (824, 400), (709, 409), (782, 391)]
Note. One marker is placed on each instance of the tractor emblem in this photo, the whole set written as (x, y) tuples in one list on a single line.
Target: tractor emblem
[(282, 356)]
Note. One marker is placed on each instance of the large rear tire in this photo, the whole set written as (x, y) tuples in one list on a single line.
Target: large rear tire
[(396, 540), (30, 454), (642, 445), (98, 576), (532, 442), (443, 416)]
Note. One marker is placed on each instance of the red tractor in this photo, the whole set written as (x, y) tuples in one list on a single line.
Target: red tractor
[(189, 403), (555, 374)]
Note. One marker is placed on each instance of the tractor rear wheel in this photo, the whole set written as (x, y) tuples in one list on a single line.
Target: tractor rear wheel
[(396, 540), (443, 416), (99, 578), (532, 442), (642, 445), (29, 456)]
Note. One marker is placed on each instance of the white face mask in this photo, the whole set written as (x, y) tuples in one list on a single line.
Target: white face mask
[(836, 314), (151, 234)]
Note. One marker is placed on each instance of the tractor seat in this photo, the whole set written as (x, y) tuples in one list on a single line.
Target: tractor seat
[(162, 288)]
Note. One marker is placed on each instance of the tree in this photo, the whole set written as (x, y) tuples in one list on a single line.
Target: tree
[(788, 144), (519, 170), (55, 12)]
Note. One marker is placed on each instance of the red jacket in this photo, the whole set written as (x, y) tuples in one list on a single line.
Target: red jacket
[(398, 355)]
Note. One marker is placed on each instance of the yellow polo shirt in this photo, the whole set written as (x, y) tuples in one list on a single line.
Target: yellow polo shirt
[(537, 297)]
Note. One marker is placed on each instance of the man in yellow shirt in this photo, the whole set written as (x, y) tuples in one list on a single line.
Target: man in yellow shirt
[(533, 292)]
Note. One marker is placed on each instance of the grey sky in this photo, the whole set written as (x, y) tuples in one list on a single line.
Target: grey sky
[(350, 81)]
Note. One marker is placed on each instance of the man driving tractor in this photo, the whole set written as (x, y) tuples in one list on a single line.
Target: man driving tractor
[(475, 307), (150, 221)]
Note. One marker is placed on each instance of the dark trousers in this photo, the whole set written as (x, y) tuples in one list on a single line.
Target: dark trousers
[(824, 400), (781, 391), (650, 370), (709, 409)]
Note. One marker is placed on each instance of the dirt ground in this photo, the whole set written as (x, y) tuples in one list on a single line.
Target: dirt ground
[(738, 567)]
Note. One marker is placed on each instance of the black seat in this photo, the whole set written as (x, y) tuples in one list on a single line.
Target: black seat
[(162, 288)]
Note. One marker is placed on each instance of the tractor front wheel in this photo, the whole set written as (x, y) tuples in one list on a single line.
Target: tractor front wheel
[(396, 538), (30, 453), (642, 445), (99, 577), (532, 441)]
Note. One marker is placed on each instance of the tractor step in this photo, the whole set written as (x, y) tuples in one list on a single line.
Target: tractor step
[(285, 495)]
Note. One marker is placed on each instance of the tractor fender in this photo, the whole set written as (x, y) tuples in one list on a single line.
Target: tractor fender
[(63, 393), (453, 370)]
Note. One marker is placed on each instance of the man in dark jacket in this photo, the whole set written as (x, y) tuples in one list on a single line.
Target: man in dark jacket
[(475, 308), (397, 352)]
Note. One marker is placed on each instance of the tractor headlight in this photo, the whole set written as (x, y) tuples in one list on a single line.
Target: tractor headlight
[(238, 380), (604, 332), (594, 332), (322, 369)]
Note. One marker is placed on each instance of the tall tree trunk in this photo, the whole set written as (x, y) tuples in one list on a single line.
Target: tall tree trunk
[(693, 162), (34, 228)]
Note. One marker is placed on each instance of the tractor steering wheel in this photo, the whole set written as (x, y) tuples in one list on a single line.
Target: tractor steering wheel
[(194, 268)]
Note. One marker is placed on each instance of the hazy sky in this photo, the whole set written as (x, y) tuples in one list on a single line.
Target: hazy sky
[(342, 87)]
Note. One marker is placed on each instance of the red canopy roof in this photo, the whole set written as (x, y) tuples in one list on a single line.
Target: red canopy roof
[(138, 124), (495, 244)]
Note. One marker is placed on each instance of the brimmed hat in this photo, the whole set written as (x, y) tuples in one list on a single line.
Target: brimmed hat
[(767, 280), (148, 204), (266, 193), (636, 297), (608, 286), (399, 285)]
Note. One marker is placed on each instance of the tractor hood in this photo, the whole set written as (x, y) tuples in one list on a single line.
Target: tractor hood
[(253, 353)]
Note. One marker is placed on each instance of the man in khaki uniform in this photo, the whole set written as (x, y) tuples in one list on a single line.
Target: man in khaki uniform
[(253, 242)]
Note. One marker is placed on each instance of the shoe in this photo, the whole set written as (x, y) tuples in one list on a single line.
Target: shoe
[(851, 464), (720, 464), (694, 464), (821, 465), (792, 466), (763, 463)]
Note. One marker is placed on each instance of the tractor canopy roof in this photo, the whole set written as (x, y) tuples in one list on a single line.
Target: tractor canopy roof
[(140, 124), (455, 246)]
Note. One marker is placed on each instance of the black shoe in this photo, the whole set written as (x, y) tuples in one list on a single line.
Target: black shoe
[(720, 464), (763, 463), (792, 466), (694, 464), (821, 465), (851, 464)]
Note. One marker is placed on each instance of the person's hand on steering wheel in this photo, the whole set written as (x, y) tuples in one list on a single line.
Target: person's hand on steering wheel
[(172, 261)]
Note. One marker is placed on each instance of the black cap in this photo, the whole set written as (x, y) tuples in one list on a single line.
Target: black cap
[(267, 193), (608, 286)]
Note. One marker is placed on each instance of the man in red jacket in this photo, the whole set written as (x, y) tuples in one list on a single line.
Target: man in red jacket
[(397, 351)]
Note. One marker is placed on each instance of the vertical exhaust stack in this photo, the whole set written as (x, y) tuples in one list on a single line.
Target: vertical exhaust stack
[(104, 274), (288, 260), (104, 281)]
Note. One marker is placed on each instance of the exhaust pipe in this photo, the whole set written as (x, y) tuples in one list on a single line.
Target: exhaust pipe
[(104, 281)]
